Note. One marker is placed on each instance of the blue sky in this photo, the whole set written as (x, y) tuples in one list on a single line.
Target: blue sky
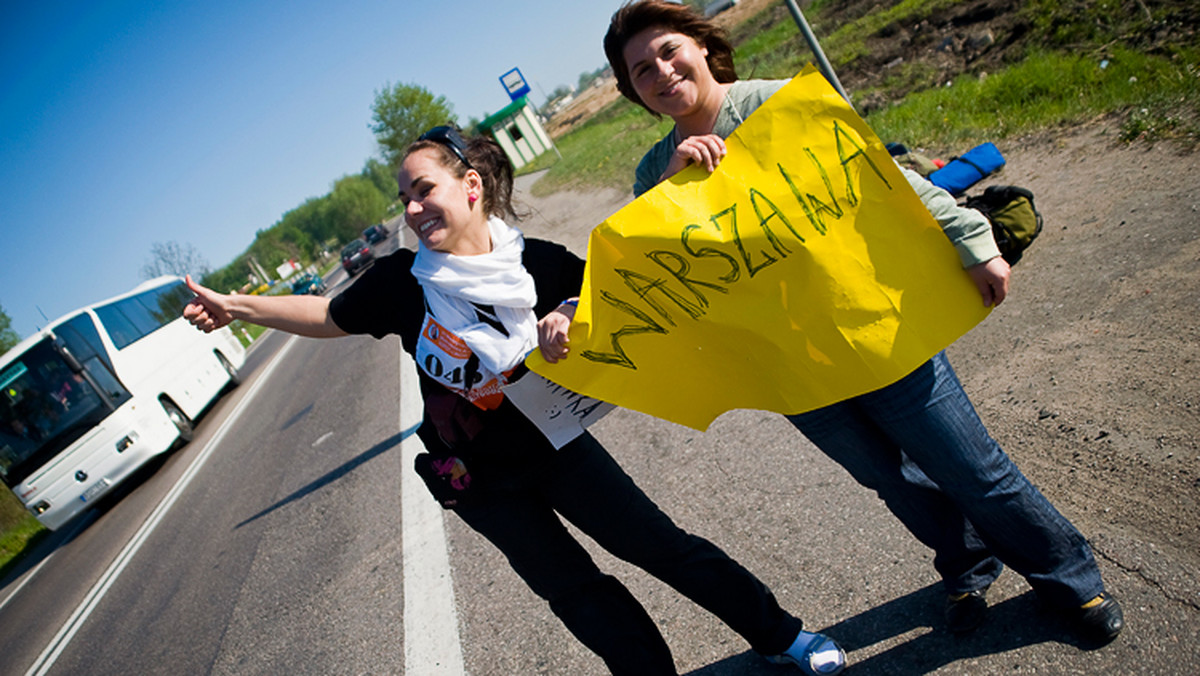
[(127, 123)]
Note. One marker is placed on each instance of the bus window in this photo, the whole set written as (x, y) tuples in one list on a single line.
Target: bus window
[(79, 335), (130, 319), (166, 303), (44, 407), (141, 315), (121, 329)]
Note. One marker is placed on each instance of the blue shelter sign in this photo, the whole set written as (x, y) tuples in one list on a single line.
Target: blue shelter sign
[(515, 84)]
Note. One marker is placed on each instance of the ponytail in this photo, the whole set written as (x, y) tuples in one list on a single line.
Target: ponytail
[(494, 167)]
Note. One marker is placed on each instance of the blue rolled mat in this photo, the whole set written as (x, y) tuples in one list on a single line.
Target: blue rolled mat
[(966, 170)]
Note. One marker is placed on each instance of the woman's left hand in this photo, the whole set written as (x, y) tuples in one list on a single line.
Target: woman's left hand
[(552, 333), (991, 278), (706, 150)]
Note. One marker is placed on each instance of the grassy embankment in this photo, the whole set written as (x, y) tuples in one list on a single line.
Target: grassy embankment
[(1072, 63), (19, 531)]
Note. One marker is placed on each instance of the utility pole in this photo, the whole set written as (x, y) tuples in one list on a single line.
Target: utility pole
[(818, 53), (257, 269)]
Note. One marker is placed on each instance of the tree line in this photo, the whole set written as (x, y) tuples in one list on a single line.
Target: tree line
[(8, 337)]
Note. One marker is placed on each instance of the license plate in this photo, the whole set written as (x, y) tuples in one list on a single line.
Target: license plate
[(95, 489)]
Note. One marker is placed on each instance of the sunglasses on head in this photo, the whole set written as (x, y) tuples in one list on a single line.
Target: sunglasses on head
[(449, 137)]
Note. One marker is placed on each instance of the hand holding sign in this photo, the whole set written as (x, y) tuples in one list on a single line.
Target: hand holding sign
[(803, 271)]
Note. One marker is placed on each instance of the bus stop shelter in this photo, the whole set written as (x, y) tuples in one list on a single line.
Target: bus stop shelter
[(518, 131)]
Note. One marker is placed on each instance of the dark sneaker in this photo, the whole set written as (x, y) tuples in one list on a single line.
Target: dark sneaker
[(1098, 620), (965, 612)]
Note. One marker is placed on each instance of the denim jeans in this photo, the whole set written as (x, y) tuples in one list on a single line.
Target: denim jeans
[(581, 482), (919, 444)]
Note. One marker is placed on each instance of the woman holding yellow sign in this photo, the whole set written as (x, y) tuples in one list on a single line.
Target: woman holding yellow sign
[(465, 305), (918, 442)]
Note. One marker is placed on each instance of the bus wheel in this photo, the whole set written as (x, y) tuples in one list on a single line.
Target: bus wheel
[(235, 378), (181, 421)]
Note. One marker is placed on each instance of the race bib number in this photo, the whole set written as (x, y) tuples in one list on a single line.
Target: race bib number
[(446, 358), (559, 413)]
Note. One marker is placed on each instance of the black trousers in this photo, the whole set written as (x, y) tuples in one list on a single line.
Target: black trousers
[(519, 513)]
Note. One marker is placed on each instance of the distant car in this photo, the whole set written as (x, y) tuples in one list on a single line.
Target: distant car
[(355, 256), (375, 234), (308, 283)]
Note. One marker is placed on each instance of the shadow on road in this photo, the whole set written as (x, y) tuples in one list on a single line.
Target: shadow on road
[(334, 475), (1014, 623)]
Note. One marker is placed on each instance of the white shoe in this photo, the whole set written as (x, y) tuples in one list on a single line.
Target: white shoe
[(815, 654)]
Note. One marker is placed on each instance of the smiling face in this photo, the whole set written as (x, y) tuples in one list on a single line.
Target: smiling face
[(438, 207), (670, 73)]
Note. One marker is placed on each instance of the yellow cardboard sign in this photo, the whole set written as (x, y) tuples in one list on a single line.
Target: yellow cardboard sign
[(802, 272)]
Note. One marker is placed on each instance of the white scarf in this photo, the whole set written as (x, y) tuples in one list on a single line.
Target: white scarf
[(452, 283)]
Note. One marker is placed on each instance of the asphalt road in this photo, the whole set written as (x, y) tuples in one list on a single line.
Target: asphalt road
[(285, 553)]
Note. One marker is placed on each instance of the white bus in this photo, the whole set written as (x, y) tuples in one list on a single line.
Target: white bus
[(100, 391)]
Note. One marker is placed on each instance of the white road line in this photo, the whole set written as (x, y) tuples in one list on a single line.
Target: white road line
[(431, 642), (75, 622), (75, 530), (27, 577)]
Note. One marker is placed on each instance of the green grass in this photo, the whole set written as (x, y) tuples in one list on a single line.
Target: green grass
[(779, 51), (246, 332), (19, 532), (12, 511), (543, 161), (603, 152), (776, 52), (1050, 90)]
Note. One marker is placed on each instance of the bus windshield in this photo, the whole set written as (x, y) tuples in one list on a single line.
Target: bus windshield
[(44, 407)]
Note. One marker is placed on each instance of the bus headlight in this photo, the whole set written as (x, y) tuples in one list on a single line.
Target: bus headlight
[(127, 441), (40, 507)]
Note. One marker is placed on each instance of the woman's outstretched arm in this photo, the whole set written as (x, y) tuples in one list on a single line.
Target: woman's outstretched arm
[(303, 315)]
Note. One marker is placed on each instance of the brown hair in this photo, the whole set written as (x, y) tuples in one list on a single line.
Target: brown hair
[(635, 17), (486, 157)]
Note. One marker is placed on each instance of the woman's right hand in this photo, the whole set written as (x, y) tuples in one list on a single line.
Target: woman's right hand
[(991, 278), (706, 150), (552, 332), (208, 311)]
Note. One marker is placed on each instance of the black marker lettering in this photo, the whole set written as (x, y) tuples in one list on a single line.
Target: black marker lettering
[(680, 271), (734, 271), (755, 198), (644, 285), (737, 239), (581, 413), (618, 357), (838, 135)]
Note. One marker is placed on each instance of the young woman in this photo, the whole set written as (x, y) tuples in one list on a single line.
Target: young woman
[(918, 443), (466, 306)]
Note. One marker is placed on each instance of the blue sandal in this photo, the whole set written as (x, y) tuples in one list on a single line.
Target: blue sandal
[(814, 654)]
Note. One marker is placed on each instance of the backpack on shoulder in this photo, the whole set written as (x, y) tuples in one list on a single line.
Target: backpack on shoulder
[(1015, 221)]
